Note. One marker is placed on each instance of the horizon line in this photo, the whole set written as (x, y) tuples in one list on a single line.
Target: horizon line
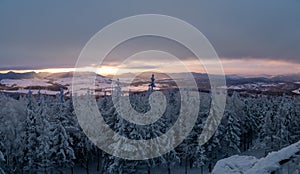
[(71, 70)]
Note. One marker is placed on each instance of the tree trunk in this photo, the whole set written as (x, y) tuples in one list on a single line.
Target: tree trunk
[(191, 163), (102, 163), (87, 164), (186, 164), (169, 169), (201, 169), (98, 160), (72, 170), (209, 168), (180, 161)]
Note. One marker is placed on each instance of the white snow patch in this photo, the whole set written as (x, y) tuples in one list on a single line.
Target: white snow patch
[(25, 82), (271, 161), (269, 85), (68, 80), (63, 81), (235, 87), (297, 91), (234, 164), (25, 91), (251, 165)]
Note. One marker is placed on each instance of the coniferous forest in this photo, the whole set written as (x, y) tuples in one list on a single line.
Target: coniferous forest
[(40, 133)]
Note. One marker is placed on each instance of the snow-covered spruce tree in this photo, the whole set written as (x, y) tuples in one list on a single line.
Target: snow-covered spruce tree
[(2, 135), (31, 142), (117, 165), (63, 153), (252, 122), (289, 121), (232, 134), (271, 125), (72, 127), (293, 119), (44, 151), (85, 149), (279, 123), (262, 107), (12, 116), (184, 150), (284, 120), (124, 130), (213, 147), (172, 111), (170, 159), (2, 161), (109, 114), (114, 166), (200, 157), (122, 166), (247, 120)]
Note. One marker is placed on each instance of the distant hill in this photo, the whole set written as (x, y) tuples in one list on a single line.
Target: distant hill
[(13, 75), (286, 78), (20, 82)]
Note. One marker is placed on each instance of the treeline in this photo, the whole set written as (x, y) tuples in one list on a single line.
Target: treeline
[(41, 133)]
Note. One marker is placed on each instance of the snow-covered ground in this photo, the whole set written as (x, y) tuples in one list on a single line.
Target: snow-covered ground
[(54, 81), (25, 82), (244, 86), (234, 165), (63, 81), (156, 170), (101, 84), (251, 165), (297, 91), (24, 91), (46, 83)]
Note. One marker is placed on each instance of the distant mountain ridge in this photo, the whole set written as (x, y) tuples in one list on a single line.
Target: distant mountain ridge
[(13, 81), (31, 75), (13, 75), (230, 79)]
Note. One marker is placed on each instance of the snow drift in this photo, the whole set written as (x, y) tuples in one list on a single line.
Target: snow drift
[(251, 165)]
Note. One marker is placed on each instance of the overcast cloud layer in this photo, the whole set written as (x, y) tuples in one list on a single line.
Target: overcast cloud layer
[(44, 34)]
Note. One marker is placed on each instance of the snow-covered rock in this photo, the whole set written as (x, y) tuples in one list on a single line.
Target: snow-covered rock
[(234, 165), (251, 165), (272, 161)]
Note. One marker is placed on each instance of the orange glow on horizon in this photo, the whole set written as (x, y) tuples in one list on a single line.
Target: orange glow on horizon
[(105, 70), (230, 66)]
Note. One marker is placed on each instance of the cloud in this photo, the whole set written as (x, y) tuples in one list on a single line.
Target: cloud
[(144, 67), (51, 34)]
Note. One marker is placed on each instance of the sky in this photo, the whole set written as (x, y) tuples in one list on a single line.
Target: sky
[(250, 37)]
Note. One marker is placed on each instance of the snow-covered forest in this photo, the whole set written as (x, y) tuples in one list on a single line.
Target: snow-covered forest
[(41, 134)]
